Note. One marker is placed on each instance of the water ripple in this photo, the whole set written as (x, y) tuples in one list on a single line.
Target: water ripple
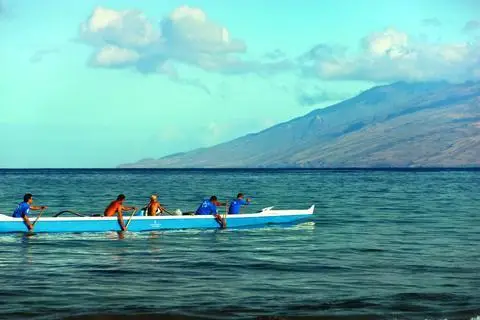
[(383, 245)]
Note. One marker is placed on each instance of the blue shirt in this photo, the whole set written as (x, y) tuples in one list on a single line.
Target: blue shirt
[(235, 206), (206, 207), (22, 209)]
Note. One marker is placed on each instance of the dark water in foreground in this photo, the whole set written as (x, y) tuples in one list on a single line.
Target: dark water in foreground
[(383, 245)]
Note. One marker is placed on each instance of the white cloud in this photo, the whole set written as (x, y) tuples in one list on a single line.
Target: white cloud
[(391, 55), (186, 35), (389, 42), (111, 56), (127, 28), (189, 28)]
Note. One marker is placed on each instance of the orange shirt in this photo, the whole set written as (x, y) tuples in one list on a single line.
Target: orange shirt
[(113, 208)]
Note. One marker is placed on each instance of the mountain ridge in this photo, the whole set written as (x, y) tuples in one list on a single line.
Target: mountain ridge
[(397, 125)]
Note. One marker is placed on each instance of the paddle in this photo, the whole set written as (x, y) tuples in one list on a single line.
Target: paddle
[(36, 220), (172, 214), (39, 215), (225, 215), (130, 220), (222, 221)]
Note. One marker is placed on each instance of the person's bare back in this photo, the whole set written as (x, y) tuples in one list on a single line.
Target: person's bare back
[(154, 206), (115, 208)]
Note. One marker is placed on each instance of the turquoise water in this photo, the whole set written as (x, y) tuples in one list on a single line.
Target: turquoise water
[(382, 245)]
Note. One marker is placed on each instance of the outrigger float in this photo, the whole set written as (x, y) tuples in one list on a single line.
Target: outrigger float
[(95, 223)]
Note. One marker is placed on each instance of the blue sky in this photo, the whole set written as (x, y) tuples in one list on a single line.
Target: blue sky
[(97, 83)]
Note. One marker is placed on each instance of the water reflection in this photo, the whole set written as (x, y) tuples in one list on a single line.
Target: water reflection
[(26, 248)]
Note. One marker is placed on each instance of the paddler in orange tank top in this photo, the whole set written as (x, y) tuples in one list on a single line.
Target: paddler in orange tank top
[(115, 208)]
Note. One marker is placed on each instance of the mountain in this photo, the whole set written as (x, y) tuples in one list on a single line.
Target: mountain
[(435, 124)]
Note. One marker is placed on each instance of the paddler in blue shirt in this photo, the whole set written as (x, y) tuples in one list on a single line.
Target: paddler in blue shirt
[(237, 203), (23, 209), (209, 207)]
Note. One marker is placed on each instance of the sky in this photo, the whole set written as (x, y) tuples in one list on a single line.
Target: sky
[(97, 83)]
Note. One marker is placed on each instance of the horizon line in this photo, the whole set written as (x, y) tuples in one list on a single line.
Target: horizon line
[(432, 168)]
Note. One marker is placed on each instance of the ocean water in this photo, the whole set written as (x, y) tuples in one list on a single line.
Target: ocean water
[(382, 245)]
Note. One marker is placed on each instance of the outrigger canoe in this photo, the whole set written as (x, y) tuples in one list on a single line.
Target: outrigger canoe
[(268, 216)]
